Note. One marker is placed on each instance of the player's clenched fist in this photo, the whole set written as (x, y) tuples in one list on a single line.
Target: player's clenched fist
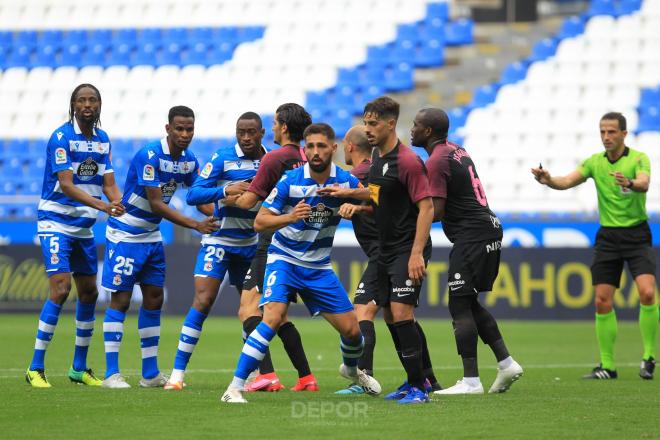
[(301, 211), (208, 225), (541, 175), (348, 210)]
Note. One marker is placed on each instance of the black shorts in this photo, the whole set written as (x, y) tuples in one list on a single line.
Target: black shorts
[(254, 278), (394, 285), (614, 246), (473, 267), (367, 289)]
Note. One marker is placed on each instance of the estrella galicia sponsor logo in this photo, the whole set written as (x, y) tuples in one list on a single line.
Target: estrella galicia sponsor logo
[(87, 170), (320, 215), (494, 246), (168, 190), (456, 283)]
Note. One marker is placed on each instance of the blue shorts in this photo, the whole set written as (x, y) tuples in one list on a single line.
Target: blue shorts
[(64, 253), (214, 260), (319, 289), (127, 264)]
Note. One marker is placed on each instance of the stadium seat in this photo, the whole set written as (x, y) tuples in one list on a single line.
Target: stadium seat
[(483, 96), (430, 53), (459, 32), (513, 73), (602, 7), (543, 50)]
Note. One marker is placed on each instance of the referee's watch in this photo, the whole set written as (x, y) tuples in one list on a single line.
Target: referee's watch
[(630, 184)]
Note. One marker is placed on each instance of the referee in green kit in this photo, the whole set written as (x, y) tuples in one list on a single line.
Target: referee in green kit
[(622, 178)]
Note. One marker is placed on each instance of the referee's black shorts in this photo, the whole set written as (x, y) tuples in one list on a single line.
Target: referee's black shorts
[(614, 246)]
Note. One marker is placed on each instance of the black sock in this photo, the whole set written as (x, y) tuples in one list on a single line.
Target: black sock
[(290, 337), (465, 332), (489, 331), (411, 352), (266, 365), (395, 340), (427, 367), (366, 361)]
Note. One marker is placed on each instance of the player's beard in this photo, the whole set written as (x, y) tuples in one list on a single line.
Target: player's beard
[(319, 168)]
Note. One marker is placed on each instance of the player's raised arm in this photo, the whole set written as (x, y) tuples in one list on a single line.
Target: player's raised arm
[(570, 180)]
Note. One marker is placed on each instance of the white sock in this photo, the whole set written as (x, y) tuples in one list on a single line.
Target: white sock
[(177, 376), (237, 383), (505, 363), (472, 381)]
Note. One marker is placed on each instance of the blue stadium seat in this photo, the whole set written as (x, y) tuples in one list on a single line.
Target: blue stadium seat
[(348, 76), (403, 51), (19, 56), (36, 148), (170, 54), (368, 93), (200, 35), (484, 95), (399, 77), (625, 7), (227, 34), (176, 35), (4, 211), (3, 57), (25, 38), (457, 117), (571, 27), (7, 188), (408, 31), (150, 35), (513, 73), (650, 97), (601, 7), (120, 54), (378, 56), (341, 121), (372, 75), (438, 12), (220, 53), (430, 53), (72, 56), (250, 33), (54, 37), (543, 49), (16, 147), (31, 186), (267, 122), (77, 37), (13, 168), (100, 36), (317, 99), (145, 55), (197, 54), (95, 55), (127, 36), (343, 97), (6, 38), (459, 32), (45, 56), (649, 119)]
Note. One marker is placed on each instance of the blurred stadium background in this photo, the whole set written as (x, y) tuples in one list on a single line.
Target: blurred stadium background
[(524, 81)]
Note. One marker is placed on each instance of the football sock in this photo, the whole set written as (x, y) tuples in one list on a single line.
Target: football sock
[(488, 330), (266, 365), (395, 340), (149, 329), (648, 324), (366, 361), (427, 367), (293, 346), (351, 351), (606, 329), (190, 332), (254, 350), (411, 352), (465, 332), (50, 313), (500, 350), (113, 332), (84, 330)]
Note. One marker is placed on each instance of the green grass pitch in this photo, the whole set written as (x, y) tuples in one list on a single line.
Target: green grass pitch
[(550, 401)]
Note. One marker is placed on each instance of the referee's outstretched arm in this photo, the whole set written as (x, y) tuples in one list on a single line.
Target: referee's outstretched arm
[(570, 180)]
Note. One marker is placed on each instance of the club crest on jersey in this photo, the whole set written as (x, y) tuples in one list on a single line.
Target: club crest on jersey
[(87, 170), (208, 266), (374, 192), (148, 173), (268, 292), (320, 216), (54, 259), (385, 168), (206, 172), (60, 156), (116, 280)]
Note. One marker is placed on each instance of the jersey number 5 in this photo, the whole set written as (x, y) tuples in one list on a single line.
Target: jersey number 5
[(479, 192)]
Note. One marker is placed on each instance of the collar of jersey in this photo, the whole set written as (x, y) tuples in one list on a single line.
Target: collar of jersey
[(240, 153), (626, 151), (77, 130), (166, 147), (307, 175)]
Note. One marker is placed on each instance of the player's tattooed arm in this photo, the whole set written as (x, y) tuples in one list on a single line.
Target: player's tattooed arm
[(158, 207), (268, 220), (65, 178), (570, 180)]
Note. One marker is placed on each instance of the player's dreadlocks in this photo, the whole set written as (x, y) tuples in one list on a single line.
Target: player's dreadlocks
[(97, 121)]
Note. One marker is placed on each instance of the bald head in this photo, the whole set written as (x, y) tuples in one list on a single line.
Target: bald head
[(356, 145)]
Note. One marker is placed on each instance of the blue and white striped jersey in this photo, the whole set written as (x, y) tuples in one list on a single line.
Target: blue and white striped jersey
[(307, 242), (227, 165), (151, 166), (89, 159)]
